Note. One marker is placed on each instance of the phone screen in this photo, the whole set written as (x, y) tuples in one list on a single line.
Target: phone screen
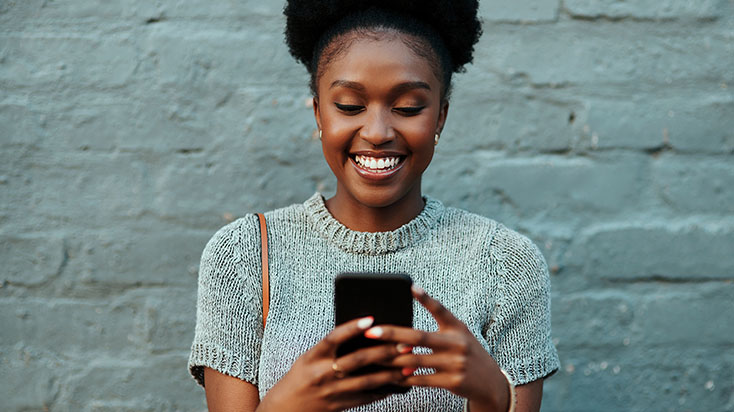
[(385, 296)]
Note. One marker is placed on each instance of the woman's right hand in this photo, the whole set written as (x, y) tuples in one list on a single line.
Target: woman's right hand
[(319, 381)]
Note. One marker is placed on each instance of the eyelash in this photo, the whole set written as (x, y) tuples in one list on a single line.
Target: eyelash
[(351, 109), (409, 111)]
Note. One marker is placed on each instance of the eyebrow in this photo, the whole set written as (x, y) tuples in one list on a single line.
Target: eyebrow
[(399, 89)]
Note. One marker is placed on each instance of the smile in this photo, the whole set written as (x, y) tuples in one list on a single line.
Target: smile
[(377, 164), (377, 168)]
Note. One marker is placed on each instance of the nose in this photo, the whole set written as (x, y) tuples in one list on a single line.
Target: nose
[(377, 129)]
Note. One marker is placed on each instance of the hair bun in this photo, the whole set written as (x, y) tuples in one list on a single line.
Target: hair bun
[(455, 22)]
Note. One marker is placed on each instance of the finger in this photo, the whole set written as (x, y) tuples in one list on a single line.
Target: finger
[(328, 345), (367, 356), (443, 316), (363, 383), (409, 336), (358, 399), (448, 381), (442, 362)]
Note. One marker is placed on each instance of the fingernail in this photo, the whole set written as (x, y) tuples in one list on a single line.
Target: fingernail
[(375, 332), (403, 348), (418, 290), (365, 323), (408, 371)]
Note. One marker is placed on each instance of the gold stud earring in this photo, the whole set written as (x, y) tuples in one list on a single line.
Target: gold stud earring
[(435, 138), (320, 133)]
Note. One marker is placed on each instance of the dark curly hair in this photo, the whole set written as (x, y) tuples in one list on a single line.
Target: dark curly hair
[(444, 32)]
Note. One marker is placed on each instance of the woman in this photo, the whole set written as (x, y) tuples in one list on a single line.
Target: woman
[(381, 78)]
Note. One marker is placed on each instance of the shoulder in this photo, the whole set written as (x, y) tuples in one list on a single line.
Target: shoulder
[(473, 227), (232, 236), (520, 263), (244, 232), (513, 253), (509, 246)]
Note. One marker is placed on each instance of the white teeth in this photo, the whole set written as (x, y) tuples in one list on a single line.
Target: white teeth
[(382, 163)]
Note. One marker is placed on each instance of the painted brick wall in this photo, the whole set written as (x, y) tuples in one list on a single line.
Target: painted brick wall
[(130, 131)]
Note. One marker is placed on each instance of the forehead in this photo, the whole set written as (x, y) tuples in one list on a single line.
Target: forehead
[(378, 59)]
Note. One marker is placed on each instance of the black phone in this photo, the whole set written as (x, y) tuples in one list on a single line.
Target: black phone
[(385, 296)]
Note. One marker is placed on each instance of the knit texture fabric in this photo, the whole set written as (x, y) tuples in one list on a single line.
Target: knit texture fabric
[(490, 277)]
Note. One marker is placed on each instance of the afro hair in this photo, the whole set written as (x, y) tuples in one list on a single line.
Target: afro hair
[(449, 27)]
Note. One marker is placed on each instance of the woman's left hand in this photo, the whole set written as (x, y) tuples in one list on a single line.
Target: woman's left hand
[(461, 363)]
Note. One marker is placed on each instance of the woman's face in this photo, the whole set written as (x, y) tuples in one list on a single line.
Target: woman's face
[(378, 107)]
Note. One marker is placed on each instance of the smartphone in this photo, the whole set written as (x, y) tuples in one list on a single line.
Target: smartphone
[(385, 296)]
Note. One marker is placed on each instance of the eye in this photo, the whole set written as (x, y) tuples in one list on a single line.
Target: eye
[(410, 110), (349, 108)]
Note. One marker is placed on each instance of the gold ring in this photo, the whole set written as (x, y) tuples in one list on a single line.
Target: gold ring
[(338, 373)]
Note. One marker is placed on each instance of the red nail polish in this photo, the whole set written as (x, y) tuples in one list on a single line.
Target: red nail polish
[(408, 371)]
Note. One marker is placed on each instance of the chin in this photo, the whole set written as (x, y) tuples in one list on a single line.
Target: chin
[(379, 197)]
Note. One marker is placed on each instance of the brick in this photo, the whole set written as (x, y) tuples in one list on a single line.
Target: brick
[(603, 55), (86, 180), (626, 124), (82, 60), (679, 250), (695, 184), (20, 125), (253, 185), (641, 380), (122, 259), (183, 56), (647, 9), (40, 10), (159, 383), (704, 126), (140, 10), (228, 9), (609, 326), (549, 186), (673, 318), (165, 121), (167, 318), (69, 328), (35, 380), (31, 260), (506, 120), (155, 123), (687, 122), (119, 406), (521, 11)]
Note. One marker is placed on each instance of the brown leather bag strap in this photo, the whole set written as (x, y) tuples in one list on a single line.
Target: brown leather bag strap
[(264, 256)]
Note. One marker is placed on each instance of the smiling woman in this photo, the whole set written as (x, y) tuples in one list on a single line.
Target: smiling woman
[(381, 78), (377, 102)]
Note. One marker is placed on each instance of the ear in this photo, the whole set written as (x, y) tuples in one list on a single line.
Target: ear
[(442, 116), (317, 112)]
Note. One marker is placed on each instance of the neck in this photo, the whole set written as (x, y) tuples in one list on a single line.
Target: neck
[(361, 217)]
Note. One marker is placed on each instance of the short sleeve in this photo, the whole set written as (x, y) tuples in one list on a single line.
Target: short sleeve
[(229, 327), (519, 333)]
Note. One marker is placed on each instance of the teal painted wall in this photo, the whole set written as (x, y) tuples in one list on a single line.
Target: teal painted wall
[(130, 131)]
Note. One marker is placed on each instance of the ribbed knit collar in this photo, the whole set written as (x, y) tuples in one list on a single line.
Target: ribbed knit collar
[(372, 243)]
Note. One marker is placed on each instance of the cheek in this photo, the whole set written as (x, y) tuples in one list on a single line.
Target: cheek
[(420, 135), (337, 130)]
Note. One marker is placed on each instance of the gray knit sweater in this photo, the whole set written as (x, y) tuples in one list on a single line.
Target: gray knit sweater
[(492, 278)]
